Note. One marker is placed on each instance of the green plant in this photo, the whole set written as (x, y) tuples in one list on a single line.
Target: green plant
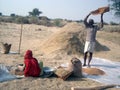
[(12, 15), (35, 12), (58, 22), (0, 14), (113, 23), (115, 5), (23, 20), (112, 28), (34, 20)]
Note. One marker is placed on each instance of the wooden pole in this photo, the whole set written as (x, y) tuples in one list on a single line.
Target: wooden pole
[(20, 38)]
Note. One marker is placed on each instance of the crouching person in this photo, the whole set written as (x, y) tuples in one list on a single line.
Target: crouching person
[(31, 65)]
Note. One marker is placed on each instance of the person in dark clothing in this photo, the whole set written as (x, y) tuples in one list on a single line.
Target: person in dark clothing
[(91, 30)]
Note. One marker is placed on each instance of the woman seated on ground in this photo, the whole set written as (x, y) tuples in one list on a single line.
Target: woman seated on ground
[(31, 65)]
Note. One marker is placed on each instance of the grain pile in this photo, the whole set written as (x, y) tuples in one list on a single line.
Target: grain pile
[(69, 39), (93, 71)]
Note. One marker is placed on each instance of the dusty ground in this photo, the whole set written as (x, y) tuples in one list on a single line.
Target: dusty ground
[(33, 36)]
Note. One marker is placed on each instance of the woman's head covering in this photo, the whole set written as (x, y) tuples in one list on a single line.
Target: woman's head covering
[(31, 65), (28, 54)]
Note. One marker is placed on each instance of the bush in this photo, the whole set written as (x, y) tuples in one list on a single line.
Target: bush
[(1, 19), (0, 14), (58, 22), (12, 15), (7, 19), (23, 20), (113, 23), (44, 18), (34, 20), (45, 22), (112, 28)]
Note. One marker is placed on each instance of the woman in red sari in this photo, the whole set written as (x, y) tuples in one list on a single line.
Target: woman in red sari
[(31, 65)]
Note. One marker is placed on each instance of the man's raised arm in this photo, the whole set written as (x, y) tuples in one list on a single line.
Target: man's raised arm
[(102, 23), (85, 20)]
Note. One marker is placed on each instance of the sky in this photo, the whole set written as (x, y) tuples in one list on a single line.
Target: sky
[(65, 9)]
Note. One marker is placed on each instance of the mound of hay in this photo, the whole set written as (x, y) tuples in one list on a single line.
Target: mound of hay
[(93, 71), (70, 39)]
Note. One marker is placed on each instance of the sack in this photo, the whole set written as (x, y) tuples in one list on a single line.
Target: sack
[(63, 73), (75, 65)]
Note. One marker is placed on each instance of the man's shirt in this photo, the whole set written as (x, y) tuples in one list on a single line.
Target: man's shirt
[(91, 33)]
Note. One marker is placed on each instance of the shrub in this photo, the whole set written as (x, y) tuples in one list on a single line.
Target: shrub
[(12, 15), (34, 20), (112, 28), (0, 14), (113, 23), (45, 23), (23, 20), (58, 22), (43, 18), (7, 19)]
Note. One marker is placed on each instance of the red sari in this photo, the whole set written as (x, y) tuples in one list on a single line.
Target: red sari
[(31, 65)]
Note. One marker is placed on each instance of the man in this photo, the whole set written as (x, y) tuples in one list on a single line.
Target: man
[(91, 37)]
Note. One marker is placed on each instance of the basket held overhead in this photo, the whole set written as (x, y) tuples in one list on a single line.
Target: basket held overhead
[(101, 10)]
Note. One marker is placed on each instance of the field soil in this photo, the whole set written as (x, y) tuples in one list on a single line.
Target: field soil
[(54, 46)]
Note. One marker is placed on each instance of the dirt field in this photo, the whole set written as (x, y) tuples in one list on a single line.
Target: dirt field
[(47, 44)]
